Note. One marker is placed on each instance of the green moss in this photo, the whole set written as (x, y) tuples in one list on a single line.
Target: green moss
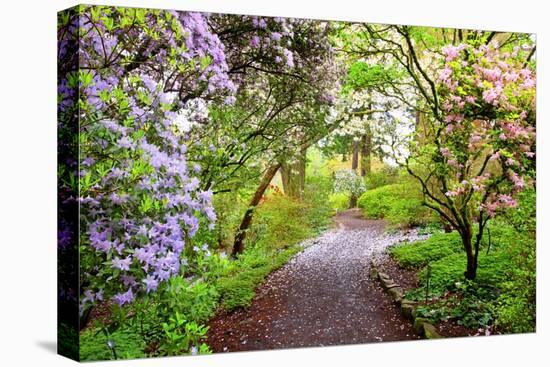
[(430, 332)]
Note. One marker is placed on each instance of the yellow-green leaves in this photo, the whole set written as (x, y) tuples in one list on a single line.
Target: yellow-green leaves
[(109, 23), (205, 62), (85, 78)]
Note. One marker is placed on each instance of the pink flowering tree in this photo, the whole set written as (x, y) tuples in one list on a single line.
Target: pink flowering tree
[(474, 99), (478, 151)]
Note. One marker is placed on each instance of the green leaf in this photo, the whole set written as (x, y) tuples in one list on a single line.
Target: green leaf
[(205, 62), (109, 23), (85, 77), (95, 12)]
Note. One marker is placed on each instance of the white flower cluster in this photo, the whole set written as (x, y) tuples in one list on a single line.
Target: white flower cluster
[(348, 181), (195, 111)]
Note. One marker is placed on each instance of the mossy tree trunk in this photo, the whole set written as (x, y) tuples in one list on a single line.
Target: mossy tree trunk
[(354, 166), (293, 176), (366, 152), (355, 155)]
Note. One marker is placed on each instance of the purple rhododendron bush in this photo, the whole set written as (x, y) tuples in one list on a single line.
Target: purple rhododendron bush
[(196, 152)]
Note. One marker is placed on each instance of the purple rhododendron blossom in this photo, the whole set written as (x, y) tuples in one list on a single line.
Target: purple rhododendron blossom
[(122, 264), (151, 283), (255, 41), (123, 298)]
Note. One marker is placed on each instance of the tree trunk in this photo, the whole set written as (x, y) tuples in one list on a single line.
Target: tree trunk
[(293, 176), (471, 267), (290, 176), (471, 258), (238, 245), (354, 165), (353, 201), (421, 127), (355, 156), (366, 151), (286, 175), (302, 171)]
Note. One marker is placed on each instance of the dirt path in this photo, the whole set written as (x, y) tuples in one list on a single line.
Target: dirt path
[(323, 296)]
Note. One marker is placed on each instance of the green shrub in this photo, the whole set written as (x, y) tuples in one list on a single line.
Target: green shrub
[(387, 175), (470, 305), (181, 336), (504, 292), (445, 255), (418, 254), (338, 201), (516, 312), (229, 207), (399, 204), (280, 221), (196, 301), (516, 307)]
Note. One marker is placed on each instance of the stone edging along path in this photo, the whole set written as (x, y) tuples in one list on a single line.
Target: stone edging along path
[(422, 326)]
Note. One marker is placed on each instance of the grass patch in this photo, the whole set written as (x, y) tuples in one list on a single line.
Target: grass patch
[(449, 270), (237, 288)]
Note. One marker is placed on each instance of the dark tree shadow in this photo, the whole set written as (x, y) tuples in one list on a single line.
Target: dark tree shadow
[(48, 345)]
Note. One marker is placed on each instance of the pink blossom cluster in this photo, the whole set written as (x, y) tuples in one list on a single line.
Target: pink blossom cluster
[(487, 109), (494, 75), (451, 52), (495, 203)]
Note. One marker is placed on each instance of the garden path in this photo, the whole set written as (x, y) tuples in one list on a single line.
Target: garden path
[(323, 296)]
